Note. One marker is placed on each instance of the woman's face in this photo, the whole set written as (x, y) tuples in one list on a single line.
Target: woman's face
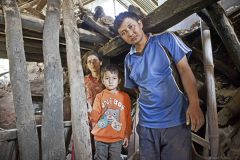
[(93, 63)]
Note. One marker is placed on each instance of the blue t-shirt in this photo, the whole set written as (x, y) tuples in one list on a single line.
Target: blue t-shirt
[(161, 103)]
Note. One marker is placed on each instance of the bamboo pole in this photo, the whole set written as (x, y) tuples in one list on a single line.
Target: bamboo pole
[(211, 95), (80, 124), (53, 147), (26, 125)]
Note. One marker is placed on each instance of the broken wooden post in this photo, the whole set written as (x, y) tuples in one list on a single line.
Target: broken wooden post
[(53, 144), (80, 124), (211, 95), (26, 125), (226, 32)]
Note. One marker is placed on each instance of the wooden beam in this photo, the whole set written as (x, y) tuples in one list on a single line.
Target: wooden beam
[(35, 13), (226, 32), (34, 24), (79, 116), (41, 4), (97, 26), (53, 147), (171, 12), (26, 125), (162, 18)]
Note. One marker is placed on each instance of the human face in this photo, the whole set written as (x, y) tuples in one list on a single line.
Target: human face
[(93, 63), (110, 81), (131, 31)]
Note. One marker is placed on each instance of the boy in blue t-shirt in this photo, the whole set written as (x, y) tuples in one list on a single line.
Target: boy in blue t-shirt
[(164, 111)]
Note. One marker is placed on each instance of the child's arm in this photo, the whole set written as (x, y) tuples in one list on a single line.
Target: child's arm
[(97, 110)]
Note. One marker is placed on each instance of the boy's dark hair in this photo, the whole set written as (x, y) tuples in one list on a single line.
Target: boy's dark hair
[(85, 57), (120, 18), (111, 68)]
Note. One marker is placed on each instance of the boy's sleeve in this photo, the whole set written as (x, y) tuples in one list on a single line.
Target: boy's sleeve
[(128, 131), (175, 45), (97, 109), (128, 82)]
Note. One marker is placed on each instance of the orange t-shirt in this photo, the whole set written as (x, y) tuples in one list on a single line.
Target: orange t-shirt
[(112, 115)]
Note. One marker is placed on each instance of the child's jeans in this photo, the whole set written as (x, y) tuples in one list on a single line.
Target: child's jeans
[(172, 143), (108, 151)]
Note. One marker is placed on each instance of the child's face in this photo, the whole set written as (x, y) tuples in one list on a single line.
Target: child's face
[(131, 31), (110, 81)]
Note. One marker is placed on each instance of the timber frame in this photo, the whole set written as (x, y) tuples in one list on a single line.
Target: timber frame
[(35, 39)]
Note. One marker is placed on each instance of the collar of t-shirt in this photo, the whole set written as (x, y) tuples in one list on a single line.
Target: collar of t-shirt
[(133, 48)]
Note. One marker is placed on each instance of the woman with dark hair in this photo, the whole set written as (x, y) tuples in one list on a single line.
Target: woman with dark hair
[(92, 63)]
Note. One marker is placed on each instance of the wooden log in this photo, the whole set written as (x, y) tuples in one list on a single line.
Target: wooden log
[(211, 95), (80, 124), (226, 32), (41, 4), (34, 24), (97, 26), (162, 18), (28, 4), (53, 147), (35, 13), (27, 133)]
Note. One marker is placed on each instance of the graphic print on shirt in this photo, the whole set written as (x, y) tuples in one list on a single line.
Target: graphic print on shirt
[(111, 116)]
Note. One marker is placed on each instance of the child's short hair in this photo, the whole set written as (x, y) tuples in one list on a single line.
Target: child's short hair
[(111, 68), (120, 18)]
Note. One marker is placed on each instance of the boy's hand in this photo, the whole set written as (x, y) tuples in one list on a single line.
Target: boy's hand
[(125, 142)]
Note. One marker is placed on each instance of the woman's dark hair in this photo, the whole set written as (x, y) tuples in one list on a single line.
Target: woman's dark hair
[(120, 18), (85, 57)]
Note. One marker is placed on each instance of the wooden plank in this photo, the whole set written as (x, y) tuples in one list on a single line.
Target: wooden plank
[(27, 133), (53, 147), (162, 18), (226, 32), (79, 116), (11, 134), (8, 150)]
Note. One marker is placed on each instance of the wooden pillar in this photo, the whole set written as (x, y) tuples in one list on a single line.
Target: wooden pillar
[(80, 124), (53, 145), (211, 95), (226, 32), (26, 125)]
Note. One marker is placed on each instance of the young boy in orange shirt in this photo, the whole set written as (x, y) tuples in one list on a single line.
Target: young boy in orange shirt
[(112, 117)]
